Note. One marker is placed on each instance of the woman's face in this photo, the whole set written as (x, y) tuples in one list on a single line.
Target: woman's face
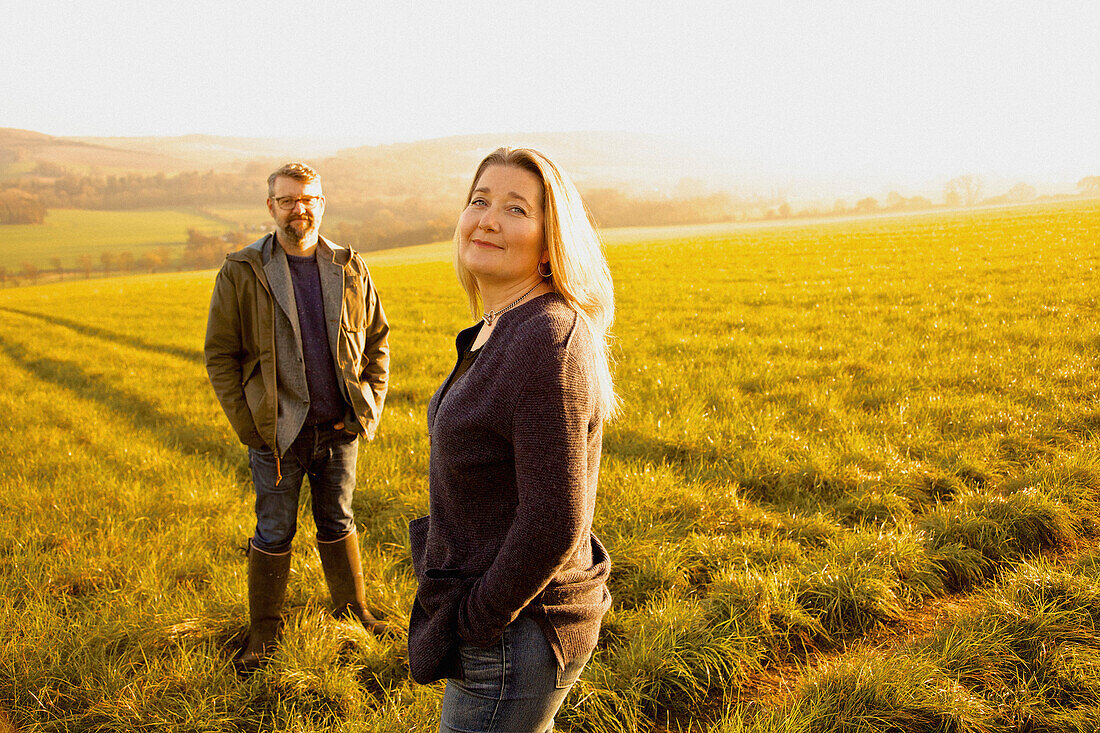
[(500, 232)]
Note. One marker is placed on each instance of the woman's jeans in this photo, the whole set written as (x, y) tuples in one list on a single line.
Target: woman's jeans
[(513, 686), (325, 454)]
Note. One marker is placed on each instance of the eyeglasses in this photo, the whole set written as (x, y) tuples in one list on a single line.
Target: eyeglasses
[(286, 203)]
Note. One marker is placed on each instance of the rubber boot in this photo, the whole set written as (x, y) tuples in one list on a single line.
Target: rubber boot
[(344, 575), (267, 578)]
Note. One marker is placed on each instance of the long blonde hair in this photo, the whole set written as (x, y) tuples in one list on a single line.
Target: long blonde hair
[(580, 272)]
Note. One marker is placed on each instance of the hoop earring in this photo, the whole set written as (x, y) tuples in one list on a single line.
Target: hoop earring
[(548, 273)]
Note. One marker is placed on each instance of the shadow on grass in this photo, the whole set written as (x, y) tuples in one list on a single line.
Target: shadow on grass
[(782, 485), (84, 329), (164, 428), (690, 462)]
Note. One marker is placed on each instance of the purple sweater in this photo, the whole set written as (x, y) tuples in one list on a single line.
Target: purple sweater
[(325, 402), (515, 456)]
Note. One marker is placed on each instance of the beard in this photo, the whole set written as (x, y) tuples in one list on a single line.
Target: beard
[(308, 228)]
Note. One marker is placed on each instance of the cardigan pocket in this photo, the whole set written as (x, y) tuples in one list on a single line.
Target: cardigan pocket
[(433, 624), (433, 632), (418, 543), (443, 573), (587, 586)]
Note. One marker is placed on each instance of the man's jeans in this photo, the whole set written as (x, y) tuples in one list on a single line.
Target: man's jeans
[(327, 456), (513, 685)]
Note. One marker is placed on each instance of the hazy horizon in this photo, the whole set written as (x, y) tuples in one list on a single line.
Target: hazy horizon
[(847, 91)]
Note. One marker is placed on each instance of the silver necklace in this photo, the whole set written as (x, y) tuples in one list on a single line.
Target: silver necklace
[(490, 316)]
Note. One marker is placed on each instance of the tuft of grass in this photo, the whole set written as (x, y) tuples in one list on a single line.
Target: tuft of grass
[(974, 534), (875, 507), (812, 530), (876, 693), (851, 598), (765, 605), (673, 657), (645, 572), (962, 567), (707, 555), (1033, 650), (939, 485)]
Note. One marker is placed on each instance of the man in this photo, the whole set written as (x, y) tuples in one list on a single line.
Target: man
[(297, 353)]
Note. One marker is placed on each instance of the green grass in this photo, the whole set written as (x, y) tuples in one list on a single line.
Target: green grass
[(69, 233), (824, 427), (1028, 660), (240, 217)]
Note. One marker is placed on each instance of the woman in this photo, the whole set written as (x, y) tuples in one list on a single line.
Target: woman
[(512, 581)]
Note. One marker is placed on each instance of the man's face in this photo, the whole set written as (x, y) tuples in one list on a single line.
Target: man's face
[(300, 222)]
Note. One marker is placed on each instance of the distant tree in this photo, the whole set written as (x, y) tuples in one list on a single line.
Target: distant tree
[(866, 205), (55, 263), (149, 262), (85, 264), (199, 237), (3, 275), (164, 257), (240, 238), (20, 207), (30, 271), (1021, 192), (126, 261), (784, 210), (46, 169), (895, 201), (108, 260), (962, 191), (203, 250), (1089, 185)]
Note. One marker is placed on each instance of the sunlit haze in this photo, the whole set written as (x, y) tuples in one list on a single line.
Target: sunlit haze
[(862, 90)]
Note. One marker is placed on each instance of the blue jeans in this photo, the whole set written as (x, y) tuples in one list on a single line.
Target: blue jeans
[(513, 686), (327, 456)]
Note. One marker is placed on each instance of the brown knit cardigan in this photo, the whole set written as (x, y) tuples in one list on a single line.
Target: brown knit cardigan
[(512, 480)]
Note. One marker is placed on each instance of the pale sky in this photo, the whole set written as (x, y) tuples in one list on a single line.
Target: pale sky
[(905, 89)]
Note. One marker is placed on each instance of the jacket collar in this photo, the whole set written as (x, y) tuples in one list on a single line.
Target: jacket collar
[(277, 271), (262, 250), (270, 264), (332, 290)]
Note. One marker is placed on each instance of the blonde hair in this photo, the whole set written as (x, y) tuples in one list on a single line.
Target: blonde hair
[(580, 272)]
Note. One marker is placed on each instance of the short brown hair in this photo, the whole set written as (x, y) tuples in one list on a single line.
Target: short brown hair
[(297, 171)]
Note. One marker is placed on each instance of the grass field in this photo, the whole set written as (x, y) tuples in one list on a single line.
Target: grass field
[(240, 217), (69, 233), (853, 488)]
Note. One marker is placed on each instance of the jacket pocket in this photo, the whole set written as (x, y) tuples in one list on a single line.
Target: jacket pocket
[(252, 381), (354, 316)]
